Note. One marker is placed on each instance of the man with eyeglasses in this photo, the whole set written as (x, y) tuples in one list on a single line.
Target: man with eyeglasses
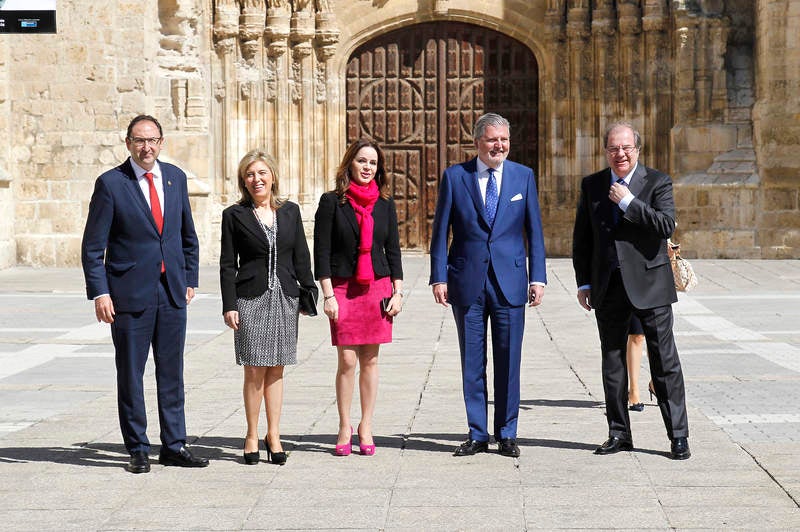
[(140, 261), (625, 214)]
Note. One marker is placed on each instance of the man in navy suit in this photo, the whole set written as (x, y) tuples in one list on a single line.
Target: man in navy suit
[(494, 266), (140, 261), (625, 214)]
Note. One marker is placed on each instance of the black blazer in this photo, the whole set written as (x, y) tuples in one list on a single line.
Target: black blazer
[(245, 254), (336, 235), (639, 238)]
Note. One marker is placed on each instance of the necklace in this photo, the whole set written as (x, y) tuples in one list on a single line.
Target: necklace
[(272, 258)]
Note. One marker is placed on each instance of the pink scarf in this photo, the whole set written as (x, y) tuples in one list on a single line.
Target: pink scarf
[(363, 199)]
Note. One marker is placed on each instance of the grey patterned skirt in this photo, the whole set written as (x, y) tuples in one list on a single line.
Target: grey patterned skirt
[(267, 334)]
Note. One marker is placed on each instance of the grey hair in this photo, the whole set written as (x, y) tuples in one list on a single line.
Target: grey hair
[(489, 119), (637, 138)]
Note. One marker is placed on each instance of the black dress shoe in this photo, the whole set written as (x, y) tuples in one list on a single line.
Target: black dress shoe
[(470, 447), (181, 458), (139, 463), (636, 407), (614, 445), (679, 450), (508, 447)]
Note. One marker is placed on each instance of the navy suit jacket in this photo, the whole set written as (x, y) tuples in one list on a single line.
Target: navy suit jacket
[(514, 244), (122, 251), (639, 238)]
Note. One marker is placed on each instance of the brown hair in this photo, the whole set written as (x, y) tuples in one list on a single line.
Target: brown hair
[(143, 118), (343, 172), (249, 158)]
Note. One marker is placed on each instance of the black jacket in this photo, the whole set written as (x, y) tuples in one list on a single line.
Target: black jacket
[(245, 254), (639, 239), (336, 236)]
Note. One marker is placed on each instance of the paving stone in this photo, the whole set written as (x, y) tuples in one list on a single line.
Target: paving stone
[(62, 459)]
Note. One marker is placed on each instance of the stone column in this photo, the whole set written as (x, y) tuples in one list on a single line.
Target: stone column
[(629, 19), (776, 128), (301, 87), (581, 86), (226, 30), (606, 54), (658, 83), (326, 123)]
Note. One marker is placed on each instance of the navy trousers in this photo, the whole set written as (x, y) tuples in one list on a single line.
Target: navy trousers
[(507, 325), (161, 325)]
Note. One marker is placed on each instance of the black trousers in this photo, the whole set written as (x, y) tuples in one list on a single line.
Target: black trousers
[(613, 319)]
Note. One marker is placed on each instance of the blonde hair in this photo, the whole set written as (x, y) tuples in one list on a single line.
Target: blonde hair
[(249, 158)]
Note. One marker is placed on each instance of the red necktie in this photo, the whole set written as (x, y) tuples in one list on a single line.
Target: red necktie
[(155, 208)]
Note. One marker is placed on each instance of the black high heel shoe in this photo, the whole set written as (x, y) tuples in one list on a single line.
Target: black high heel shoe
[(275, 458), (652, 391), (251, 458)]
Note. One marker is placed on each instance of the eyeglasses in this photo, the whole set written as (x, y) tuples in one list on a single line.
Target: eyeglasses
[(140, 142), (613, 150)]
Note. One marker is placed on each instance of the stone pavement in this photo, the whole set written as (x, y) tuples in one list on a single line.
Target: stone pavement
[(62, 459)]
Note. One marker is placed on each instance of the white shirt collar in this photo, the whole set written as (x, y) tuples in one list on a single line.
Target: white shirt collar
[(483, 167), (139, 171), (627, 178)]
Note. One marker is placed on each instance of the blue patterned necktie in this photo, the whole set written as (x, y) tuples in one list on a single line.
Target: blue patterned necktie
[(491, 197), (618, 214)]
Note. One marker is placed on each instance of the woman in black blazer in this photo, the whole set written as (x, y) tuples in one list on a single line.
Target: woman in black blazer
[(263, 258), (357, 262)]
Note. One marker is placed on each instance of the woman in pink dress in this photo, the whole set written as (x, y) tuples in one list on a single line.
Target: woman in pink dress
[(357, 262)]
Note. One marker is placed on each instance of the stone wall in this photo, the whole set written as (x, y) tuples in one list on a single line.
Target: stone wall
[(712, 85)]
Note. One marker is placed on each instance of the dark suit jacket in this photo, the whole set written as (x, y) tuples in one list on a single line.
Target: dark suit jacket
[(514, 244), (245, 254), (336, 236), (122, 251), (639, 238)]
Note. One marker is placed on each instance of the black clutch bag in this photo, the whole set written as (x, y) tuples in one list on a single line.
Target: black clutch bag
[(308, 301)]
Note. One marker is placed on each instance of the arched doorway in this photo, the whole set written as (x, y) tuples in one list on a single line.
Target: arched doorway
[(418, 90)]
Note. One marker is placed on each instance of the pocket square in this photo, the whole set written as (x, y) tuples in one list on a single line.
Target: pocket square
[(517, 197)]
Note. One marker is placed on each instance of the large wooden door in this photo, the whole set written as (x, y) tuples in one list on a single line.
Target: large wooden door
[(418, 91)]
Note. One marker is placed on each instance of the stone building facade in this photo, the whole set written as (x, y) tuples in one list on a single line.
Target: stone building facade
[(713, 86)]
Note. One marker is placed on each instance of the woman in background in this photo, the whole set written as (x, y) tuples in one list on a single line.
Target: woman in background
[(357, 262), (634, 356), (263, 258)]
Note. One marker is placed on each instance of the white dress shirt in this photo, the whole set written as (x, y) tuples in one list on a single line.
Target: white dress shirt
[(145, 186), (483, 178)]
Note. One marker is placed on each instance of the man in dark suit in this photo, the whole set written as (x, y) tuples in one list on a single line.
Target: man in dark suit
[(619, 251), (495, 264), (140, 261)]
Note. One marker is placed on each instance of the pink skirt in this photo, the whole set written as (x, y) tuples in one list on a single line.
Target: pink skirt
[(361, 320)]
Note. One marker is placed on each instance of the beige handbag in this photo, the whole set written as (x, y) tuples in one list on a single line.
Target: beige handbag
[(685, 279)]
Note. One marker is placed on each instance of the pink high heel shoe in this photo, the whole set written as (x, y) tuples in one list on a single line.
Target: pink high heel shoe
[(365, 450), (345, 449)]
